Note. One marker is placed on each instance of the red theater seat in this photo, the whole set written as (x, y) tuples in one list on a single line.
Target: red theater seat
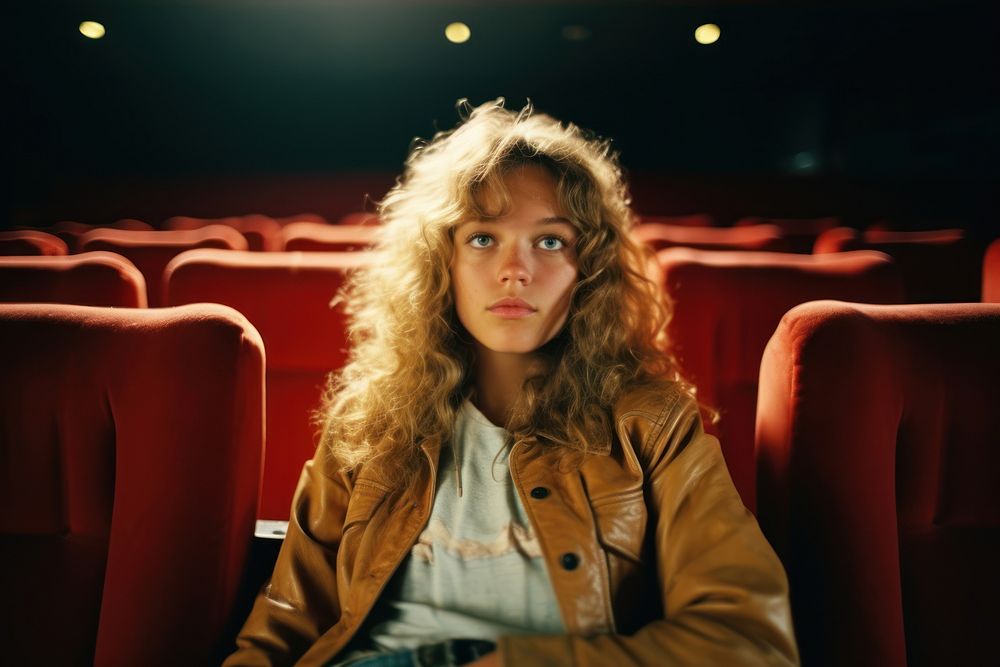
[(838, 239), (151, 251), (314, 218), (287, 298), (90, 279), (879, 464), (28, 242), (131, 443), (312, 237), (694, 220), (727, 305), (70, 231), (800, 234), (940, 266), (263, 234), (756, 237), (359, 218), (991, 273)]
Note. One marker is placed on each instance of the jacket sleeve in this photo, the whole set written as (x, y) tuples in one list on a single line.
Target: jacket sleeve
[(300, 602), (724, 591)]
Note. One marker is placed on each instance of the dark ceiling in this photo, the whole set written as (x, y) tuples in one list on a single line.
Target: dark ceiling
[(886, 90)]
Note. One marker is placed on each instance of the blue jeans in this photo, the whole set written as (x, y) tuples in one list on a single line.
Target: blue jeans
[(449, 653), (404, 658)]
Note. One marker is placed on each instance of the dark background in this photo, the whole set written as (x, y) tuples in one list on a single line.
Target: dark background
[(210, 107)]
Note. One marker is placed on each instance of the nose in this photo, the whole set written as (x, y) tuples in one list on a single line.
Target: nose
[(514, 267)]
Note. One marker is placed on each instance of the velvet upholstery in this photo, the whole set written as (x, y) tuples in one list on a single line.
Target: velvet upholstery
[(938, 266), (89, 279), (879, 467), (131, 443), (314, 218), (726, 306), (30, 242), (800, 234), (287, 298), (71, 231), (313, 237), (358, 218), (152, 251), (693, 220), (755, 237), (991, 273), (263, 234)]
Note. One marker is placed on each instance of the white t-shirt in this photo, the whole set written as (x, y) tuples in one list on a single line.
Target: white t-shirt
[(477, 571)]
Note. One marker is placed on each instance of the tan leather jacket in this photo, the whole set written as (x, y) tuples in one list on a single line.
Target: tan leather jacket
[(653, 557)]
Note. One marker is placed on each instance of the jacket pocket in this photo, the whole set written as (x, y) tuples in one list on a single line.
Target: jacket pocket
[(621, 533), (621, 524)]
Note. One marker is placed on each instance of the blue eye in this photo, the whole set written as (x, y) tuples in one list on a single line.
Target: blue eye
[(552, 243), (480, 240)]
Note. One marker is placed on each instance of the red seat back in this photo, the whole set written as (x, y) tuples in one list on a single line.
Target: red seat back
[(263, 234), (71, 231), (90, 279), (879, 466), (727, 305), (358, 218), (756, 237), (287, 298), (991, 273), (29, 242), (940, 266), (312, 237), (131, 443), (800, 234), (302, 217), (152, 251), (693, 220)]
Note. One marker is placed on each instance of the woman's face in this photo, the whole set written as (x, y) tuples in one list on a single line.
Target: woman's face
[(512, 276)]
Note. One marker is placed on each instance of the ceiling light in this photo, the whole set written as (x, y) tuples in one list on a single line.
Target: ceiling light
[(707, 33), (92, 29), (457, 32)]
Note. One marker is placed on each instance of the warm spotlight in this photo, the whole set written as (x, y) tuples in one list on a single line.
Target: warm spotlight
[(92, 29), (707, 34), (457, 32)]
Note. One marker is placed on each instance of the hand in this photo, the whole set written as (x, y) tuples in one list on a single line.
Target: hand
[(489, 660)]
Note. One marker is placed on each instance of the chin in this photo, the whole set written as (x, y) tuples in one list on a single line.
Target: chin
[(513, 347)]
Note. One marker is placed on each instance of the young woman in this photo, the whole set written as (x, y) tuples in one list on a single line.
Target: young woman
[(511, 471)]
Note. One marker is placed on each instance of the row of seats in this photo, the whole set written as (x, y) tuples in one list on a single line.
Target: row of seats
[(955, 258), (264, 233), (128, 520), (286, 296), (726, 305)]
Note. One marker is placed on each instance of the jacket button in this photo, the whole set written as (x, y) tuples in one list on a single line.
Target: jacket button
[(569, 561), (539, 492)]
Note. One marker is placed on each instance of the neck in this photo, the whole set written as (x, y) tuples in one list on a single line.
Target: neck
[(499, 379)]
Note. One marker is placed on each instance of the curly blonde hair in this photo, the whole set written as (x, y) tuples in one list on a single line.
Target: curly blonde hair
[(410, 362)]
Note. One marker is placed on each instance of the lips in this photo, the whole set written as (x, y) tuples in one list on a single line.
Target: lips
[(512, 308)]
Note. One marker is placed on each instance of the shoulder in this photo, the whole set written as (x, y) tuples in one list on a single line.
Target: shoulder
[(656, 417), (655, 400)]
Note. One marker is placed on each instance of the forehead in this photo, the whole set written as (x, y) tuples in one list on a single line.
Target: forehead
[(531, 181), (523, 186)]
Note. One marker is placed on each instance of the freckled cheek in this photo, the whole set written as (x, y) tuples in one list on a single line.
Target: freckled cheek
[(466, 288), (561, 290)]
